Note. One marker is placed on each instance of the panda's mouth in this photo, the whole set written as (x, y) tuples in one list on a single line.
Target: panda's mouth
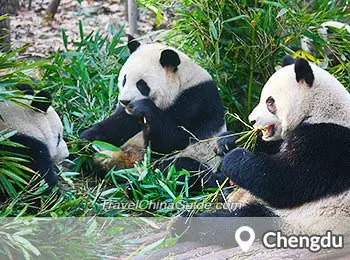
[(128, 110), (269, 131)]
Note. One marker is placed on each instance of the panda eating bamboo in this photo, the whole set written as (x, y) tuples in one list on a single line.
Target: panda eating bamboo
[(300, 170), (168, 101)]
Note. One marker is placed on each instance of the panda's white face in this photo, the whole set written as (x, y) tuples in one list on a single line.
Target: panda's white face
[(286, 102), (43, 126), (281, 106), (54, 133), (144, 76)]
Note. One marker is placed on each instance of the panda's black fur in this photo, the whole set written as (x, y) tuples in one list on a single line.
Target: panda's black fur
[(313, 163), (116, 129), (37, 154), (198, 109)]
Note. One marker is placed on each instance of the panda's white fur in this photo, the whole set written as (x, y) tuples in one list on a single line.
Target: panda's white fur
[(43, 126), (326, 101), (165, 85), (317, 217)]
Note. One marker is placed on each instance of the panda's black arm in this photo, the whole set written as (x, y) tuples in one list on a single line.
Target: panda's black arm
[(39, 157), (314, 163), (116, 129), (159, 129), (198, 111)]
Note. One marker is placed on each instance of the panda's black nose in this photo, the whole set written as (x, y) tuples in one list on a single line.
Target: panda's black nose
[(124, 103), (253, 122)]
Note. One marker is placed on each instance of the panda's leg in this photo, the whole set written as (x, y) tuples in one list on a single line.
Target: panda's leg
[(201, 174), (39, 156), (116, 129), (220, 227)]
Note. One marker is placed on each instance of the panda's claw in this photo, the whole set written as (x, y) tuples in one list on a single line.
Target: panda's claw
[(227, 148), (225, 143)]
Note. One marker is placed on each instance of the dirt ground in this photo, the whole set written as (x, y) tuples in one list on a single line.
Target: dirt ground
[(31, 27)]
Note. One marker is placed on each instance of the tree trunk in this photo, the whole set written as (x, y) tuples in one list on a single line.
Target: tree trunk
[(132, 16), (52, 9), (4, 27)]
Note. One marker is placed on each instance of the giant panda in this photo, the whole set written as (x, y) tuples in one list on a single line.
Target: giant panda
[(38, 129), (168, 101), (300, 171)]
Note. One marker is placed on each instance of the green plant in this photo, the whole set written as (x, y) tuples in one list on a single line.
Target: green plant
[(149, 185), (13, 175), (241, 42), (84, 83), (84, 79)]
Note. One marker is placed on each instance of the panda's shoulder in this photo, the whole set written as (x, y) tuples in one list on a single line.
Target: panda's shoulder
[(204, 95), (28, 145), (319, 135), (205, 88), (321, 129)]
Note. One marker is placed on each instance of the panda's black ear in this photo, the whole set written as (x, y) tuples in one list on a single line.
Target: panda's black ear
[(287, 60), (132, 44), (26, 89), (170, 59), (44, 101), (304, 72)]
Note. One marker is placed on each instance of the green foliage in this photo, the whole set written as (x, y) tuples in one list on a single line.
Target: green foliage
[(241, 42), (84, 83), (157, 7), (85, 79), (149, 185), (13, 175)]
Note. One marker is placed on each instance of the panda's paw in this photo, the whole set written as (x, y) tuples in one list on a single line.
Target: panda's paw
[(145, 110), (105, 159), (111, 159), (225, 143), (93, 133), (233, 162)]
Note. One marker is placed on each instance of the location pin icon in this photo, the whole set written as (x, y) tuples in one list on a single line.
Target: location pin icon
[(245, 245)]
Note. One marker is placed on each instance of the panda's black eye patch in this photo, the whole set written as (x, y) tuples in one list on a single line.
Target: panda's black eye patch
[(271, 106), (124, 80), (143, 87)]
